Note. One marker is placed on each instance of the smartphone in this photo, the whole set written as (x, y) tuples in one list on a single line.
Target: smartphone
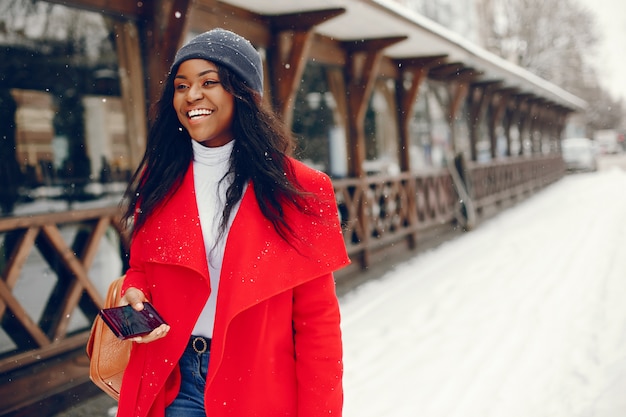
[(125, 322)]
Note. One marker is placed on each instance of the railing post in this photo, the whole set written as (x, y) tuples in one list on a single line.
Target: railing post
[(411, 193), (364, 221)]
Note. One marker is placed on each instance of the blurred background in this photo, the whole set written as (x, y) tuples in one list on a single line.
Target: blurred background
[(431, 117)]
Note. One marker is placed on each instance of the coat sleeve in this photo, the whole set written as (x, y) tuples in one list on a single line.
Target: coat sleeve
[(317, 335), (136, 273)]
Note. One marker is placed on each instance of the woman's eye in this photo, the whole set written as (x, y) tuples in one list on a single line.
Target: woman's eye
[(180, 87), (209, 83)]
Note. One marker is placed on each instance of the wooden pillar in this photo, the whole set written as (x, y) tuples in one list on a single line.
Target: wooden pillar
[(458, 92), (411, 73), (559, 125), (523, 118), (478, 100), (496, 115), (132, 86), (544, 120), (360, 71), (554, 124), (534, 127), (362, 64), (510, 117), (407, 87), (162, 30), (458, 78), (291, 39)]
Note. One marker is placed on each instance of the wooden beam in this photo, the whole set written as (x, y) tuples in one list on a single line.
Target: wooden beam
[(71, 262), (36, 220), (421, 61), (455, 71), (22, 316), (327, 51), (291, 39), (468, 75), (93, 242), (120, 8), (443, 72), (22, 247), (373, 44), (303, 20), (75, 289)]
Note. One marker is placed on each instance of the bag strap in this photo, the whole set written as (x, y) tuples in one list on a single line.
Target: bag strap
[(114, 293), (112, 299)]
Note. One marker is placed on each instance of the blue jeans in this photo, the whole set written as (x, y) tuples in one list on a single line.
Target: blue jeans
[(190, 399)]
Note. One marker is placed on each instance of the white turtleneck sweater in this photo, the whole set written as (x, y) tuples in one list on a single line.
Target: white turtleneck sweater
[(209, 167)]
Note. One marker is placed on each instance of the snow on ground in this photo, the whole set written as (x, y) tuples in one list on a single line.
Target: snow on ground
[(524, 316)]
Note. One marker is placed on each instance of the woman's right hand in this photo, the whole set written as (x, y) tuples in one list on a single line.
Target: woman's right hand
[(135, 297)]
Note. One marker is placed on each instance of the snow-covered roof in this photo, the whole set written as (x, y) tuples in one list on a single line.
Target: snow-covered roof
[(366, 19)]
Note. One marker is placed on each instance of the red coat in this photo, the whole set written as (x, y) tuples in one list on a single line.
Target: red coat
[(276, 348)]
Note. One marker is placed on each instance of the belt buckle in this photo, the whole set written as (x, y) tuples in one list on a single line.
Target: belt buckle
[(203, 342)]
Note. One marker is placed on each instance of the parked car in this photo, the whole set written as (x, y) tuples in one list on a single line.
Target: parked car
[(608, 141), (579, 154)]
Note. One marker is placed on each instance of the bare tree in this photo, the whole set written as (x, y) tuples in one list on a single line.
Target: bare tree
[(554, 39), (551, 38)]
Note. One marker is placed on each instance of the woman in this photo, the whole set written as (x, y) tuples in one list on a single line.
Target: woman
[(235, 244)]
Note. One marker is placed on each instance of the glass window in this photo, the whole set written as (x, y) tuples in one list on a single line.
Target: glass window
[(315, 121), (381, 130), (429, 129), (63, 139)]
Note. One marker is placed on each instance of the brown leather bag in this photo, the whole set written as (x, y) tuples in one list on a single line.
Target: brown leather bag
[(108, 355)]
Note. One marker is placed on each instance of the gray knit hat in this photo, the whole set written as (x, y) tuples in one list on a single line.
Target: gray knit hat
[(228, 49)]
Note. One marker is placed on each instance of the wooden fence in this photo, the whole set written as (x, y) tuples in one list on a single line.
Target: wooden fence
[(47, 357)]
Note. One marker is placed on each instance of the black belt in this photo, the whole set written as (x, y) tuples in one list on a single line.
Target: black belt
[(199, 344)]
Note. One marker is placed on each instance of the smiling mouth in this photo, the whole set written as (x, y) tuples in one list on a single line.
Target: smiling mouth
[(192, 114)]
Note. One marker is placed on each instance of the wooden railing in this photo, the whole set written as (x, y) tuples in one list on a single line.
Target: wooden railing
[(46, 356), (379, 210), (48, 298), (510, 179)]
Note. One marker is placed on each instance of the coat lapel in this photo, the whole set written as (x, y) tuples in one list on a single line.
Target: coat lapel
[(258, 263), (173, 235)]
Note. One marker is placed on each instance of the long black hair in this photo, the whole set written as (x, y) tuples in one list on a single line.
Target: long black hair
[(260, 154)]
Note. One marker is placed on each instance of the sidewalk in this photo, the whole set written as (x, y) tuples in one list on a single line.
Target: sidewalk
[(523, 316)]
